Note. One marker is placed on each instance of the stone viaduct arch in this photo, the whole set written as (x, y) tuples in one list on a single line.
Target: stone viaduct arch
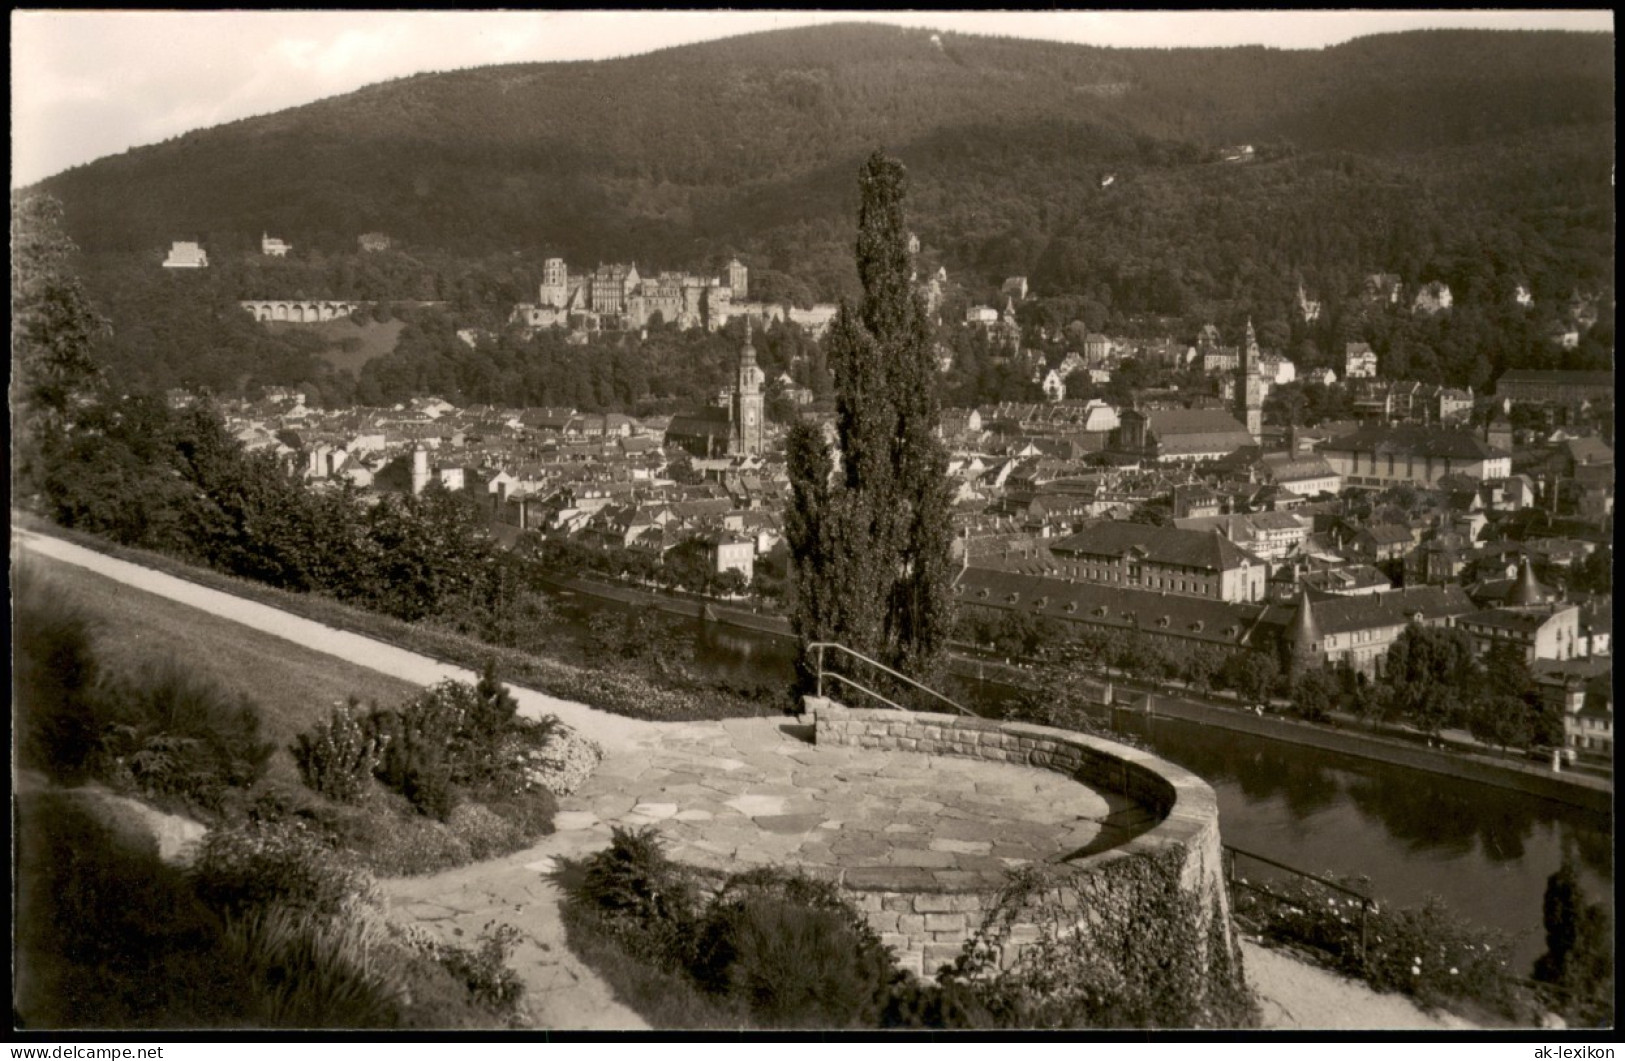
[(299, 311)]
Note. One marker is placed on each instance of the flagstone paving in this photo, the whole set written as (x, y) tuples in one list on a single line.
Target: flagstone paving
[(727, 795)]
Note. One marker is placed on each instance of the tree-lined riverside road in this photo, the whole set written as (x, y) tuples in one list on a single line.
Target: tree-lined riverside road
[(729, 794)]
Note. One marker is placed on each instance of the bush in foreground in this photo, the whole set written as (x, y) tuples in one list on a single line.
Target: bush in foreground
[(157, 728), (337, 758), (271, 930), (1425, 952), (107, 935), (54, 672), (775, 950)]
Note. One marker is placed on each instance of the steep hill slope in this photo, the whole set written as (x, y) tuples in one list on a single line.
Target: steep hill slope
[(768, 107), (1476, 157)]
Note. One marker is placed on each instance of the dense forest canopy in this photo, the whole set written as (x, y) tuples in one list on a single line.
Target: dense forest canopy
[(1483, 159)]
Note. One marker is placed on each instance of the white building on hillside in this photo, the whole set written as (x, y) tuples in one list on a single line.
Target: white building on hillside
[(186, 255)]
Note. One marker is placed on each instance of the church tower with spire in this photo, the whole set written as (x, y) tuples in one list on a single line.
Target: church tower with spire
[(747, 402), (1250, 394)]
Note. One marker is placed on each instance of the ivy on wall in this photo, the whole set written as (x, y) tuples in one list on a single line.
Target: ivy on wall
[(1121, 946)]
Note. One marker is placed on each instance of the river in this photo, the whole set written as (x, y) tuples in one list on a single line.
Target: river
[(1486, 851)]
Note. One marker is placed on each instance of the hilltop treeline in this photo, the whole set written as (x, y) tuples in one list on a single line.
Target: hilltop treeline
[(1479, 159), (748, 144)]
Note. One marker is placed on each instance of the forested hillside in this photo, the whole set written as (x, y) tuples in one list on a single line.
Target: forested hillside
[(1480, 158)]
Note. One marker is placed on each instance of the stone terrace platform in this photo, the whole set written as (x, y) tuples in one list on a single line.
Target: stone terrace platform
[(754, 792)]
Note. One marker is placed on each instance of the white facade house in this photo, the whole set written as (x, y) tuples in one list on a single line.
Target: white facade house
[(1099, 416), (186, 255), (1276, 370), (1359, 361)]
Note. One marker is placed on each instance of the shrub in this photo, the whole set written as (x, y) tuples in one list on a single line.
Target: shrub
[(665, 998), (484, 968), (786, 949), (338, 757), (173, 732), (494, 707), (485, 833), (1435, 956), (1578, 960), (559, 762), (913, 1003), (1144, 958), (797, 965), (410, 845), (1425, 952), (716, 946), (107, 935), (481, 970), (645, 900), (53, 680), (310, 970), (257, 863), (501, 827), (426, 782), (470, 732)]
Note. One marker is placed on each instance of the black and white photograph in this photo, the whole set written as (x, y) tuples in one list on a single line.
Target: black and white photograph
[(534, 525)]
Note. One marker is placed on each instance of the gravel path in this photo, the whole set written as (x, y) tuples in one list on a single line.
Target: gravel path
[(1296, 995)]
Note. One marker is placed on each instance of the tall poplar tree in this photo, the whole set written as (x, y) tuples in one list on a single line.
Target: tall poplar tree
[(869, 519)]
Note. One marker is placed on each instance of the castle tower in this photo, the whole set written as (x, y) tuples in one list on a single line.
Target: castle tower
[(1250, 393), (738, 280), (555, 287), (1303, 638), (420, 470), (747, 402)]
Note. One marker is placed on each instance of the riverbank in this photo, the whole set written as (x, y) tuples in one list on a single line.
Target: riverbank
[(688, 607), (1577, 790), (1588, 793)]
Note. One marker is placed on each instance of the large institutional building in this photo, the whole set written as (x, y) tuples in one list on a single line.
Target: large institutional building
[(1189, 563), (1411, 453)]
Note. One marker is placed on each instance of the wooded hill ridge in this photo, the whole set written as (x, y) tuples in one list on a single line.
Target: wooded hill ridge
[(748, 145)]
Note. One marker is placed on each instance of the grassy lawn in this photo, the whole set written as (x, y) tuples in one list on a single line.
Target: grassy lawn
[(613, 688), (293, 686)]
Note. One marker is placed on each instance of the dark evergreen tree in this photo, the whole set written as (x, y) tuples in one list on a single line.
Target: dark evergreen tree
[(868, 525), (1579, 958), (53, 332)]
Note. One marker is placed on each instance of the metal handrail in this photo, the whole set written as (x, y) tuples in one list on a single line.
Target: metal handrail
[(1345, 889), (1367, 904), (820, 646), (865, 689)]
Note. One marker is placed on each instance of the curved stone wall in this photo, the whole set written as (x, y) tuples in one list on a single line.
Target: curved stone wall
[(926, 917)]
